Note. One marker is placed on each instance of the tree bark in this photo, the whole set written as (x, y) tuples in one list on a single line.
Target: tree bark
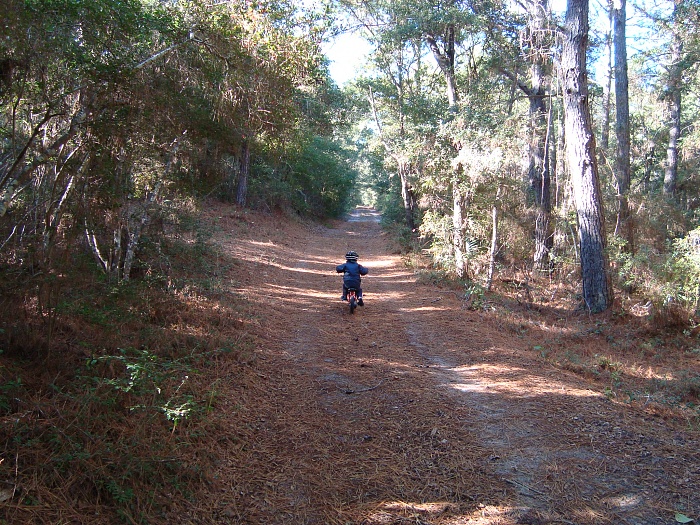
[(446, 61), (538, 173), (16, 174), (242, 190), (494, 242), (54, 212), (674, 107), (538, 148), (458, 229), (605, 119), (623, 227), (649, 163), (135, 233), (580, 142), (406, 194)]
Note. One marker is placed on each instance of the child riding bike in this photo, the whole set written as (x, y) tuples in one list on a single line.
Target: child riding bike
[(352, 272)]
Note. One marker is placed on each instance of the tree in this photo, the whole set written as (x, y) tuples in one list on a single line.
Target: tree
[(623, 226), (535, 44), (678, 57), (393, 95), (109, 108), (537, 51), (443, 26), (411, 27), (673, 97), (607, 81), (580, 144)]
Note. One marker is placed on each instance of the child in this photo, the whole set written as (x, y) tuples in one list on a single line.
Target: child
[(351, 278)]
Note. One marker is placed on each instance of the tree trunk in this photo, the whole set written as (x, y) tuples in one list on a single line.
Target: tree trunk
[(649, 163), (242, 191), (674, 107), (231, 169), (580, 142), (15, 174), (538, 174), (538, 171), (406, 194), (494, 241), (446, 61), (458, 229), (623, 227), (605, 119), (55, 211), (135, 233)]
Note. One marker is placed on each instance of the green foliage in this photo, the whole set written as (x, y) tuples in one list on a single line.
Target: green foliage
[(125, 410), (9, 390), (160, 382), (318, 180), (682, 518), (474, 294), (170, 92), (483, 170), (685, 268), (391, 205), (667, 279)]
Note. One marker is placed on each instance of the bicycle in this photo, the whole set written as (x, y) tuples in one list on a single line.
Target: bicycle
[(352, 299)]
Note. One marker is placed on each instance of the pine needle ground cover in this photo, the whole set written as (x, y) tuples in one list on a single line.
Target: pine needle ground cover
[(236, 388)]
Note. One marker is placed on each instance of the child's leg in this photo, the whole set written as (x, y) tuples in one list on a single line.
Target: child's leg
[(345, 293)]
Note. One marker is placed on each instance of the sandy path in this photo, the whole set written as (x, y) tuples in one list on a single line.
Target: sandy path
[(415, 410)]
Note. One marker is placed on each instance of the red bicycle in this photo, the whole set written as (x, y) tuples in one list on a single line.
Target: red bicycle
[(352, 299)]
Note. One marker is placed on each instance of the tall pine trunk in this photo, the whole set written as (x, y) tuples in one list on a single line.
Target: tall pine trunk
[(623, 226), (539, 167), (580, 142), (539, 177), (674, 107), (605, 117)]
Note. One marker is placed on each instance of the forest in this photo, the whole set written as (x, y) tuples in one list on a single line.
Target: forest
[(118, 115), (507, 144)]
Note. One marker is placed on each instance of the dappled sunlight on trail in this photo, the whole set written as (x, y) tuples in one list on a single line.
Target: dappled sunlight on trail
[(416, 409), (424, 309), (499, 381)]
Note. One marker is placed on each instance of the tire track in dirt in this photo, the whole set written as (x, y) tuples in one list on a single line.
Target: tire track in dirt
[(415, 410)]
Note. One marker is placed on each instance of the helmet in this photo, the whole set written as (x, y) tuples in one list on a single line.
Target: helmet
[(352, 255)]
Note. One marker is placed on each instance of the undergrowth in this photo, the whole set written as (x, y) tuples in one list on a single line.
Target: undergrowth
[(106, 389), (643, 351)]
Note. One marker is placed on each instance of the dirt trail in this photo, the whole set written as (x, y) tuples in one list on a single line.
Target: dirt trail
[(416, 410)]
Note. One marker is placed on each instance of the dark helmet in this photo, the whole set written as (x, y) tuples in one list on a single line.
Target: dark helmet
[(352, 256)]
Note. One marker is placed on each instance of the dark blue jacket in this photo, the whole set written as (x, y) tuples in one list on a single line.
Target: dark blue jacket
[(352, 272)]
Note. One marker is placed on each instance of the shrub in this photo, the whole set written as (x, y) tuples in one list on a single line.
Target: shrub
[(684, 266)]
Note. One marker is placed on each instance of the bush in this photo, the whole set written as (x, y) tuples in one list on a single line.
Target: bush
[(684, 266)]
